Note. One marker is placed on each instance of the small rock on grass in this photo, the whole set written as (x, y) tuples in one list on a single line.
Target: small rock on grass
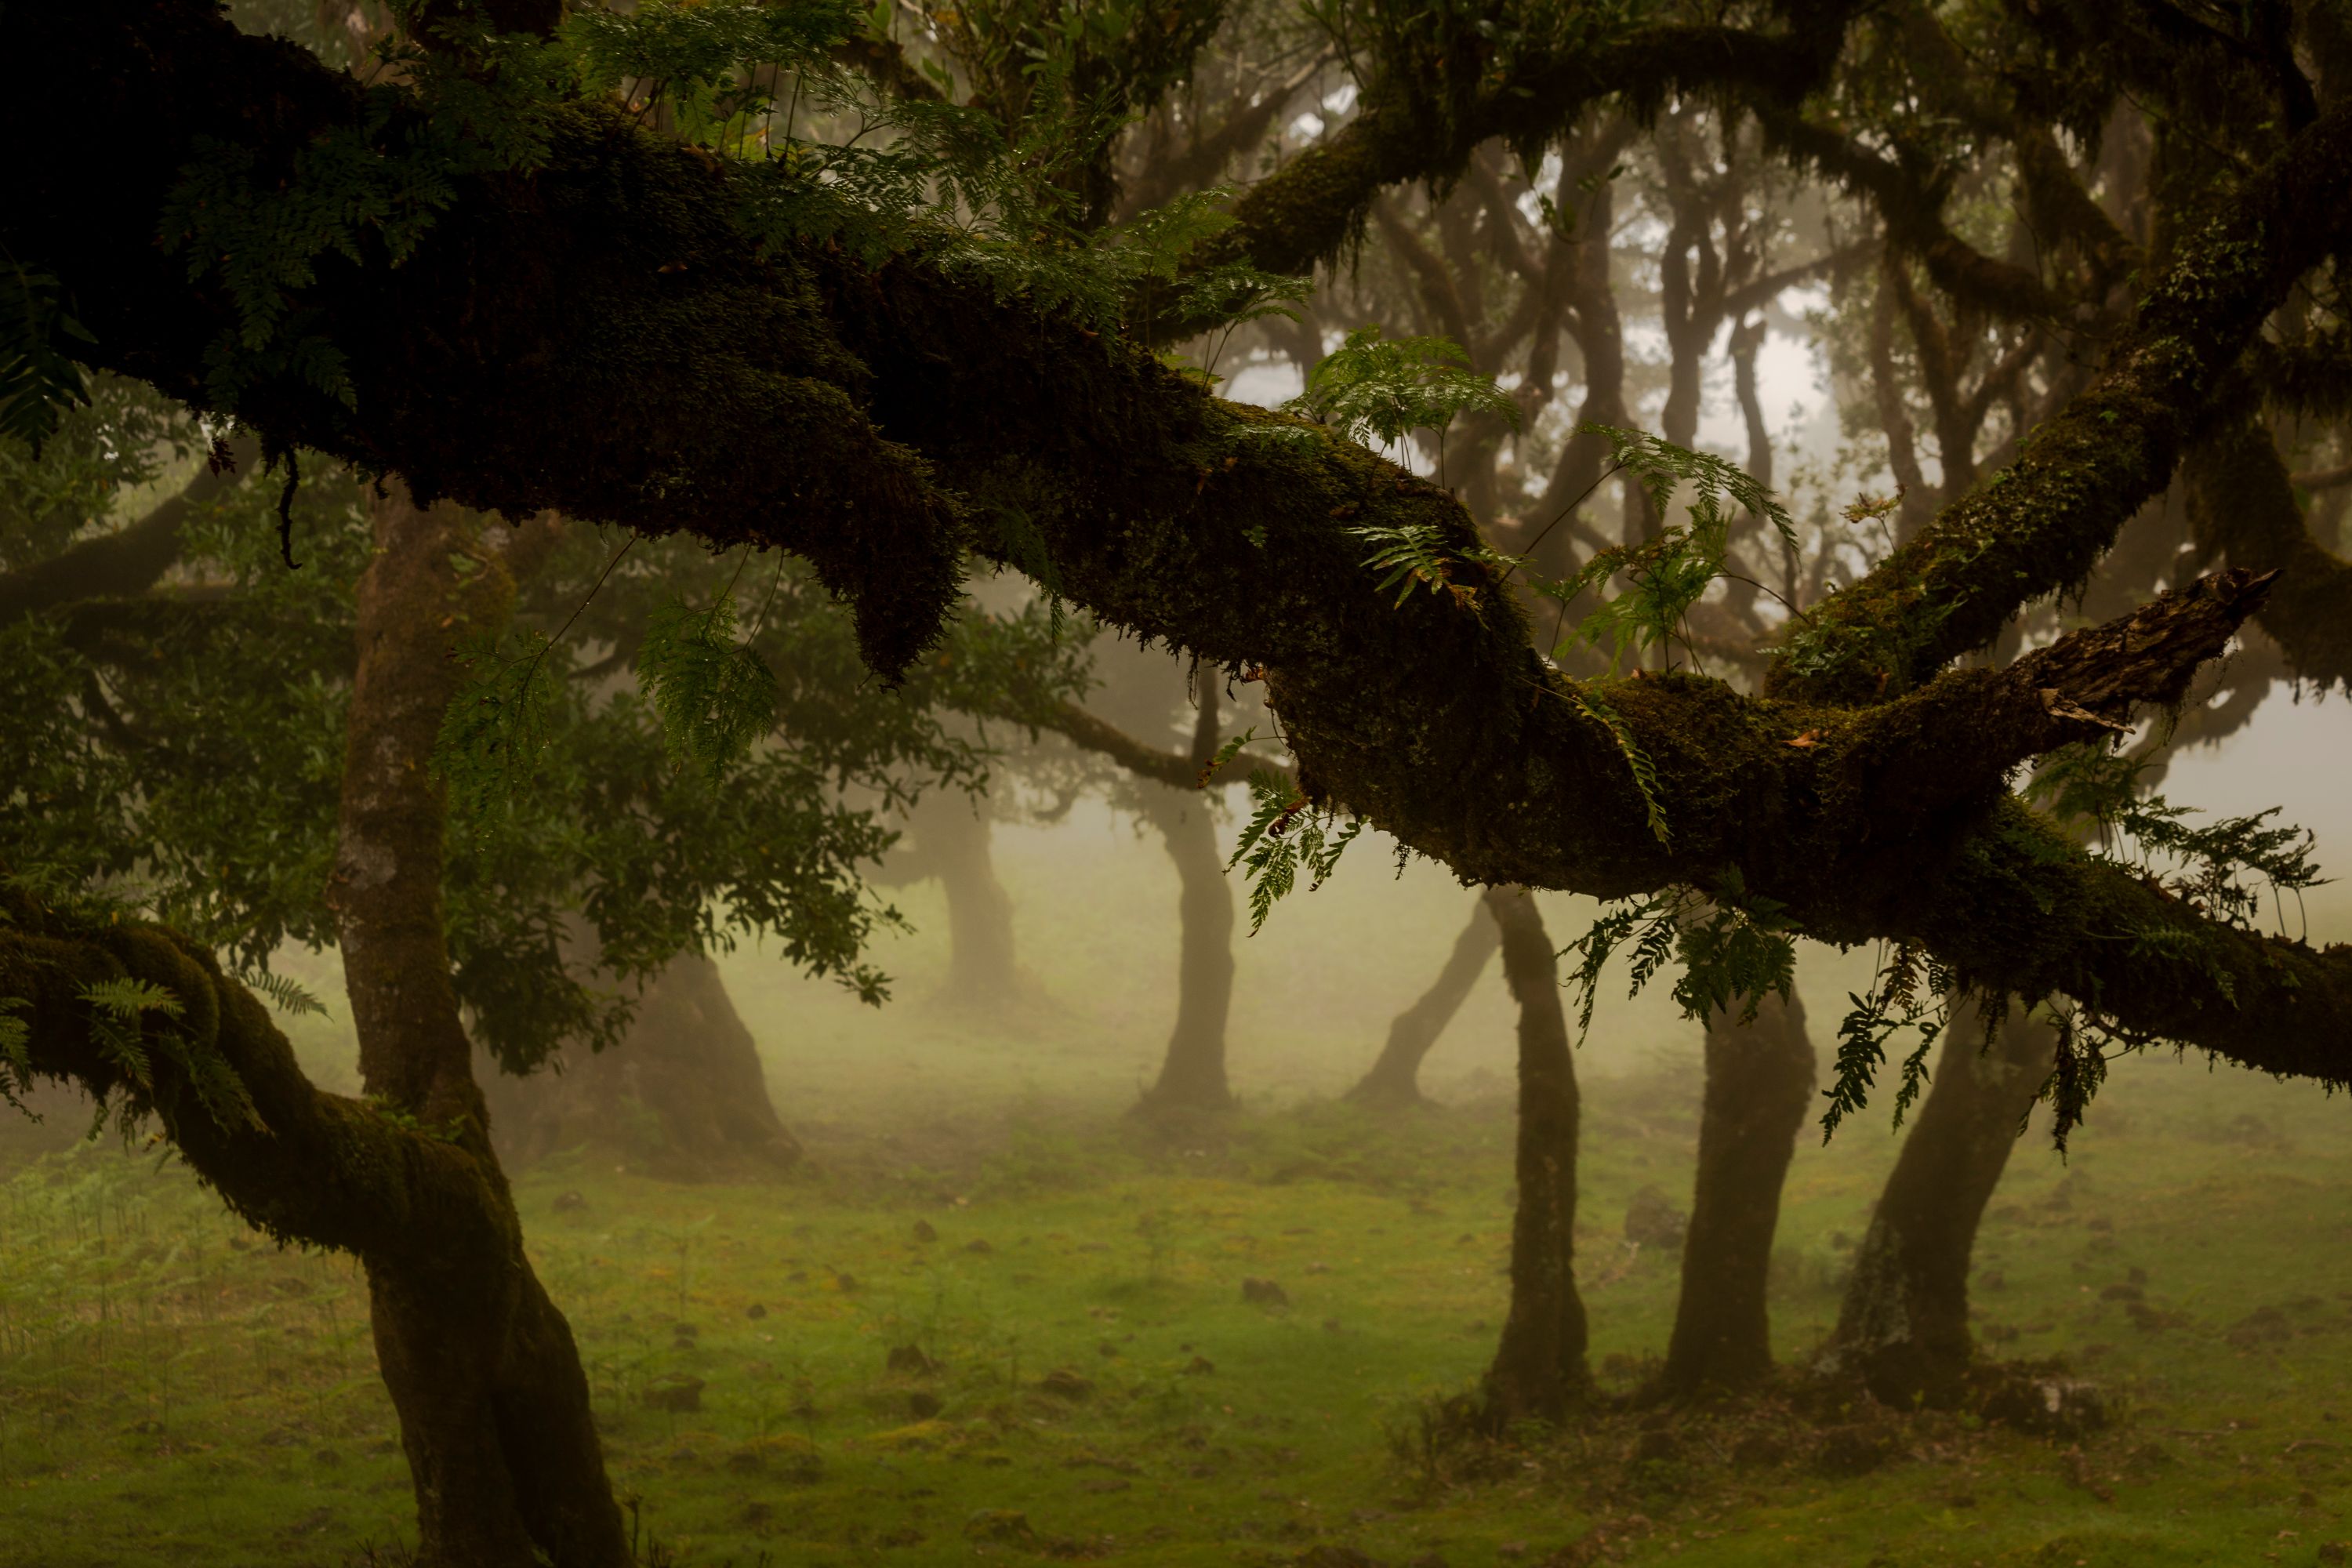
[(1064, 1383), (1327, 1556), (2047, 1406), (1004, 1524), (678, 1391), (1265, 1293), (911, 1358)]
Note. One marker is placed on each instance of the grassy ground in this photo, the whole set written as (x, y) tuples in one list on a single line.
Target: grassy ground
[(1091, 1381)]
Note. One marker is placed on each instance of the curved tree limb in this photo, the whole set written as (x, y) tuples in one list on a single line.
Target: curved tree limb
[(1177, 770), (1317, 205), (2041, 523), (305, 1165), (119, 565), (2241, 507), (860, 416)]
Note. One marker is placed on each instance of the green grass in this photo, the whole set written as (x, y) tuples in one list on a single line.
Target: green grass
[(175, 1391)]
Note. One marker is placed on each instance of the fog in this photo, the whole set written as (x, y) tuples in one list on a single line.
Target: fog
[(1177, 783)]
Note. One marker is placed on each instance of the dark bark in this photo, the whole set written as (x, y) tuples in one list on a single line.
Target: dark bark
[(1169, 513), (1538, 1372), (952, 835), (691, 1059), (1395, 1079), (1904, 1326), (2243, 506), (1760, 1084), (1600, 334), (481, 1367), (1317, 204), (1192, 1073), (687, 1059)]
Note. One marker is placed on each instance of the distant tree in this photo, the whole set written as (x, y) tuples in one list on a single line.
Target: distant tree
[(551, 265)]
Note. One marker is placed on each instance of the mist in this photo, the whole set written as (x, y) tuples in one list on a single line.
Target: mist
[(1174, 784)]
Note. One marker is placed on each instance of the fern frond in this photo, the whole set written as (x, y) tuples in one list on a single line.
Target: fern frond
[(1637, 761), (1383, 389), (283, 993), (126, 998), (715, 696), (1226, 753)]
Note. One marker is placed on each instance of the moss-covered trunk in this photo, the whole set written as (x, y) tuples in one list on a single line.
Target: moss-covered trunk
[(1759, 1082), (493, 1406), (1395, 1077), (1538, 1372), (1903, 1325), (1192, 1073)]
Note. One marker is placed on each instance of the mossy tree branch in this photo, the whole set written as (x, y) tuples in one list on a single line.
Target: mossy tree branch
[(310, 1167), (2041, 523), (2242, 508), (1317, 205), (1177, 770), (598, 339)]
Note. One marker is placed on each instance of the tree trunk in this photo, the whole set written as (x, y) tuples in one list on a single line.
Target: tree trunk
[(687, 1058), (1192, 1073), (1760, 1084), (481, 1367), (1395, 1077), (1904, 1326), (951, 833), (1539, 1372)]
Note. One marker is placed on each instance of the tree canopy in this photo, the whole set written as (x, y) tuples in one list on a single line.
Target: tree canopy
[(537, 264)]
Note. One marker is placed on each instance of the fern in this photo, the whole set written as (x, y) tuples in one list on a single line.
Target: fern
[(1286, 834), (1382, 389), (2077, 1068), (117, 1006), (37, 380), (1731, 946), (1740, 950), (283, 994), (715, 695), (16, 1051), (1645, 773), (1912, 991), (1668, 574), (1415, 554), (2219, 870), (1653, 919), (1226, 753)]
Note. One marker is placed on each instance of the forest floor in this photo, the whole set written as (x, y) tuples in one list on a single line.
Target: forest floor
[(1080, 1376)]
